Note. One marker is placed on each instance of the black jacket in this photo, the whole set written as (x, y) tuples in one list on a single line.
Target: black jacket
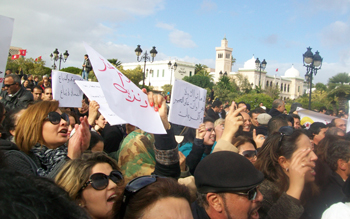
[(21, 99), (198, 212), (274, 112)]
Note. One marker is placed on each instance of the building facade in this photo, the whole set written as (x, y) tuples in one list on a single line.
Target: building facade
[(158, 73), (291, 84)]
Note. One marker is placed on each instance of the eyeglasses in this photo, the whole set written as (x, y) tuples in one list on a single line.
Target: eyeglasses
[(133, 187), (249, 153), (55, 118), (9, 85), (100, 181), (251, 193), (284, 131)]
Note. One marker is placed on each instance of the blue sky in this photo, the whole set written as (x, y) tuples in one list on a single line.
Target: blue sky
[(278, 31)]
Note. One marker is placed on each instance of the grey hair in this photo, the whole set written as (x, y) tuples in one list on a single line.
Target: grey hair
[(16, 78), (276, 103)]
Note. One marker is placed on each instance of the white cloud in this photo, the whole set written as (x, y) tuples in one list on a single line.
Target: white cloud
[(336, 34), (207, 6), (181, 39), (165, 26), (41, 26)]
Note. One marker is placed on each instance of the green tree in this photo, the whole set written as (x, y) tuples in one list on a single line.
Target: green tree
[(339, 78), (134, 75), (167, 88), (28, 66), (243, 83), (115, 62), (339, 88), (73, 70), (200, 67), (321, 87), (226, 89), (199, 80), (272, 92), (254, 99)]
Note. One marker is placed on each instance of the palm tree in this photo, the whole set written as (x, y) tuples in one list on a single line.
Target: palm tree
[(115, 62), (339, 87), (199, 67)]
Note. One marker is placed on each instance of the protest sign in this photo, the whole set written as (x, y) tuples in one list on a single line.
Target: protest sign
[(94, 92), (6, 28), (124, 98), (187, 104), (307, 117), (348, 122), (65, 90)]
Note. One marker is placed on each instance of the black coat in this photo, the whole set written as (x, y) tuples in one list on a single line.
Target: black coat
[(21, 99), (198, 212), (274, 112)]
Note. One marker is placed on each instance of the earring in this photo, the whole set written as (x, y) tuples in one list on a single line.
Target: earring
[(287, 169), (81, 205)]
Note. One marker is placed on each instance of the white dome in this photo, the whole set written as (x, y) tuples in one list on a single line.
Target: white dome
[(250, 64), (292, 73)]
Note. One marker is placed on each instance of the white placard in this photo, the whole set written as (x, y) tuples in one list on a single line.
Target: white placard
[(65, 90), (307, 117), (94, 92), (348, 122), (187, 104), (124, 98), (6, 28)]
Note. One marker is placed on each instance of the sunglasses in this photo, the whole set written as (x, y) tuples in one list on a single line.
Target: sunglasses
[(251, 193), (133, 187), (249, 153), (284, 131), (55, 118), (9, 85), (100, 181)]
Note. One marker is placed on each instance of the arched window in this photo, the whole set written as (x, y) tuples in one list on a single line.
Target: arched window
[(281, 86), (270, 83), (267, 83), (288, 88), (285, 86)]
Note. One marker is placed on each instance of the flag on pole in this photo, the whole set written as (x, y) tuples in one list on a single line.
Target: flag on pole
[(23, 52), (38, 59), (276, 69), (15, 57)]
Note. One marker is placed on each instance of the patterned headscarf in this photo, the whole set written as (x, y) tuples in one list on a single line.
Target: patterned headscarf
[(136, 155)]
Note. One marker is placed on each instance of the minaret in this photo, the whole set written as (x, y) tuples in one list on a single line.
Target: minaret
[(223, 59)]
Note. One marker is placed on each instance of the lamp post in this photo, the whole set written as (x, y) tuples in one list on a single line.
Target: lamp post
[(146, 58), (172, 67), (313, 63), (55, 57), (260, 66)]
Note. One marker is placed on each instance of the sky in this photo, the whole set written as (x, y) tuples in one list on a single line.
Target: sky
[(277, 31)]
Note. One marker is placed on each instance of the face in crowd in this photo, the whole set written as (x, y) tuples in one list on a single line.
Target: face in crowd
[(248, 151), (10, 86), (47, 95), (37, 92), (218, 109), (209, 137), (340, 123), (101, 122), (254, 119), (246, 122), (55, 135)]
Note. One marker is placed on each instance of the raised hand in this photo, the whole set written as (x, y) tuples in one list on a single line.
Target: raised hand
[(259, 139), (200, 132), (80, 141), (232, 122), (93, 110)]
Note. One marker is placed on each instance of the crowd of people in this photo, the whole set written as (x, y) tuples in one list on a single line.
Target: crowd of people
[(240, 163)]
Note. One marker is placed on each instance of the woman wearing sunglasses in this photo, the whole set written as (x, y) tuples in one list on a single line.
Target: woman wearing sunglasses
[(42, 133), (246, 147), (94, 182), (155, 197), (287, 161)]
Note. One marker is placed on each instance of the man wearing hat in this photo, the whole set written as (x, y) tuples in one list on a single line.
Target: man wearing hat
[(263, 119), (227, 187)]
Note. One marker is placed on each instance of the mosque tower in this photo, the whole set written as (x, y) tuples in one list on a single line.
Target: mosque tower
[(223, 61)]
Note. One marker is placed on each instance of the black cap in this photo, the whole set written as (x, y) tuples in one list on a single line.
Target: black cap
[(226, 171)]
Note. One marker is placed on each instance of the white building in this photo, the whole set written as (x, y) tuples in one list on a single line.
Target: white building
[(158, 73), (291, 84)]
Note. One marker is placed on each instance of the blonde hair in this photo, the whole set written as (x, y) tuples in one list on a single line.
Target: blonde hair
[(219, 122), (29, 126), (77, 172)]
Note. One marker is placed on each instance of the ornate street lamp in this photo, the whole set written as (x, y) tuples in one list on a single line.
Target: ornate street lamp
[(57, 56), (145, 57), (313, 63), (172, 68), (260, 66)]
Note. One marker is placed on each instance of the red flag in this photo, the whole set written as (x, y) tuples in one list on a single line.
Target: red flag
[(15, 57), (38, 59), (23, 52), (276, 69)]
